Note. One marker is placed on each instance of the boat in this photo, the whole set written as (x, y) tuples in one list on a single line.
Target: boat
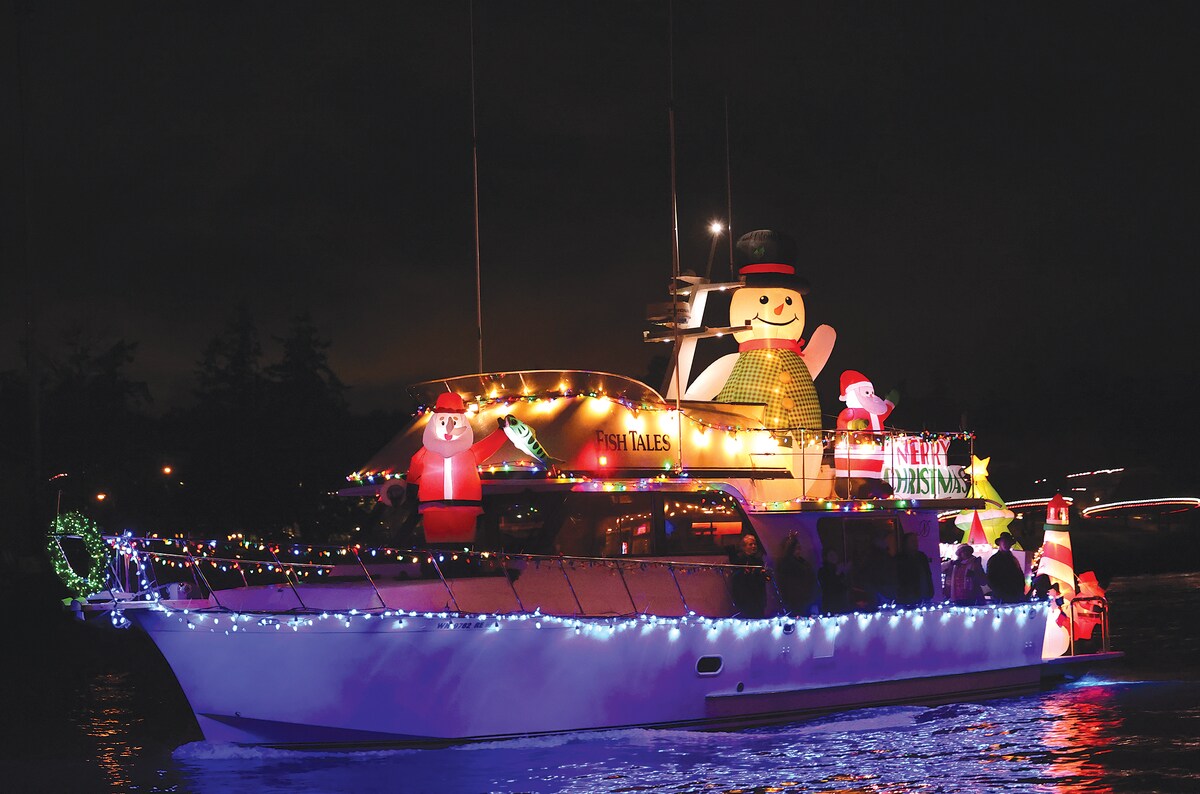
[(592, 570)]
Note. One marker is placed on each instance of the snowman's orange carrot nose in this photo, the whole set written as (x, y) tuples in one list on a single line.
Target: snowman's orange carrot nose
[(779, 309)]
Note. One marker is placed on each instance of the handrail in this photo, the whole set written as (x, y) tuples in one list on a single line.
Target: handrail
[(512, 585), (429, 561), (208, 585), (366, 573), (570, 586), (287, 578), (678, 589), (628, 592), (433, 560), (245, 567), (430, 554)]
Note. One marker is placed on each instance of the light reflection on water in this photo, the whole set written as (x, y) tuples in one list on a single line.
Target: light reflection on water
[(107, 717), (1134, 730), (1072, 739)]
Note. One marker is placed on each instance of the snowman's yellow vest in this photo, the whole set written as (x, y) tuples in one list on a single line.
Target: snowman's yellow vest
[(780, 379)]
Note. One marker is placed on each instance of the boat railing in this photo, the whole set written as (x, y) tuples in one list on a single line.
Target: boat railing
[(1093, 612), (268, 577)]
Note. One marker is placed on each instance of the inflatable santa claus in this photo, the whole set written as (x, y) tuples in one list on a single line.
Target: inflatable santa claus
[(446, 472), (858, 456)]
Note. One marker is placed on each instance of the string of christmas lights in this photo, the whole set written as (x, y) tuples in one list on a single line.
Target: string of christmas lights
[(137, 549), (211, 619), (824, 438)]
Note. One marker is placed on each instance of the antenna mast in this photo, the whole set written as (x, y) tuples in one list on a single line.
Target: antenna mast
[(728, 191), (674, 229), (475, 189)]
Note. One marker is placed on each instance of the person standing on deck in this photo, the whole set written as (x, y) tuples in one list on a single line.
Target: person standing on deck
[(749, 586), (1004, 574), (797, 579), (835, 589), (914, 577), (965, 577)]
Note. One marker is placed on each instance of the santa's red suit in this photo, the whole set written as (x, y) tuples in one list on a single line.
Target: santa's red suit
[(449, 492), (874, 421), (453, 479), (862, 454)]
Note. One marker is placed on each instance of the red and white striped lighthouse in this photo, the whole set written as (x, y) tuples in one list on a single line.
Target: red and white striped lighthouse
[(1057, 562)]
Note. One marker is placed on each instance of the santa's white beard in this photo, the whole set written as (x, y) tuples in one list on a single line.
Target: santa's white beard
[(447, 448), (874, 404), (871, 403)]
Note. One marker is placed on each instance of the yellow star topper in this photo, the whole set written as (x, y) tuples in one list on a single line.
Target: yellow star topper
[(978, 469)]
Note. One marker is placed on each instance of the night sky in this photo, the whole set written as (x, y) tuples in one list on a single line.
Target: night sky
[(987, 197)]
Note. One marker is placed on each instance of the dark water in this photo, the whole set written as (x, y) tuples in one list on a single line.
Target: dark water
[(89, 710)]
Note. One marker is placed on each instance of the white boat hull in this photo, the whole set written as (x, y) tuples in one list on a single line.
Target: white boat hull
[(397, 678)]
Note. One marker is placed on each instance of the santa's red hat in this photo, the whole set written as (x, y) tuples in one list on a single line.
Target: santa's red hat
[(849, 378), (449, 403)]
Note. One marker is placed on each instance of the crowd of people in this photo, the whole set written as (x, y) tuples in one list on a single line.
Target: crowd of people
[(873, 579)]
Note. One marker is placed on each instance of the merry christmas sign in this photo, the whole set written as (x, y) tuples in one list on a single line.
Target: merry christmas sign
[(919, 469)]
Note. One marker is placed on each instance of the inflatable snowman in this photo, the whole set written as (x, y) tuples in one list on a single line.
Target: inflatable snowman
[(773, 366)]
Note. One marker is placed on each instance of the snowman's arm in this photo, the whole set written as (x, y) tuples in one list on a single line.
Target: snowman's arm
[(710, 381), (818, 348)]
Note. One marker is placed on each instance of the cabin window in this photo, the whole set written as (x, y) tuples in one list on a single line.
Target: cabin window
[(621, 524), (624, 524), (525, 522), (572, 524), (709, 665), (701, 522)]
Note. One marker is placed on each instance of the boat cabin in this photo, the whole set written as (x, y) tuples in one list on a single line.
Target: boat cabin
[(601, 468)]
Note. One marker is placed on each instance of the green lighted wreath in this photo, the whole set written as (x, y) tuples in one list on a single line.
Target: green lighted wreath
[(97, 574)]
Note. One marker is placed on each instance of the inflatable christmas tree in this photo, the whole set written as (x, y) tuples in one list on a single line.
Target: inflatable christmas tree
[(994, 518)]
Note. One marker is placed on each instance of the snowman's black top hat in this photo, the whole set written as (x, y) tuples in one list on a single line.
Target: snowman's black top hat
[(767, 258)]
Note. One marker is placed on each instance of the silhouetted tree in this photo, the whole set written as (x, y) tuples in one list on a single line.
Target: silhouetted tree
[(94, 428), (265, 446), (94, 421), (303, 374), (225, 435), (310, 424), (229, 375)]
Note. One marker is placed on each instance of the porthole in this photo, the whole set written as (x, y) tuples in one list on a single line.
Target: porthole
[(709, 665)]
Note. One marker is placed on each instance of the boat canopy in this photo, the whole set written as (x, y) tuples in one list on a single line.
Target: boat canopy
[(593, 424)]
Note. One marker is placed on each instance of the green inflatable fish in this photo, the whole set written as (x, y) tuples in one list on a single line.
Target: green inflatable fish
[(523, 438)]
